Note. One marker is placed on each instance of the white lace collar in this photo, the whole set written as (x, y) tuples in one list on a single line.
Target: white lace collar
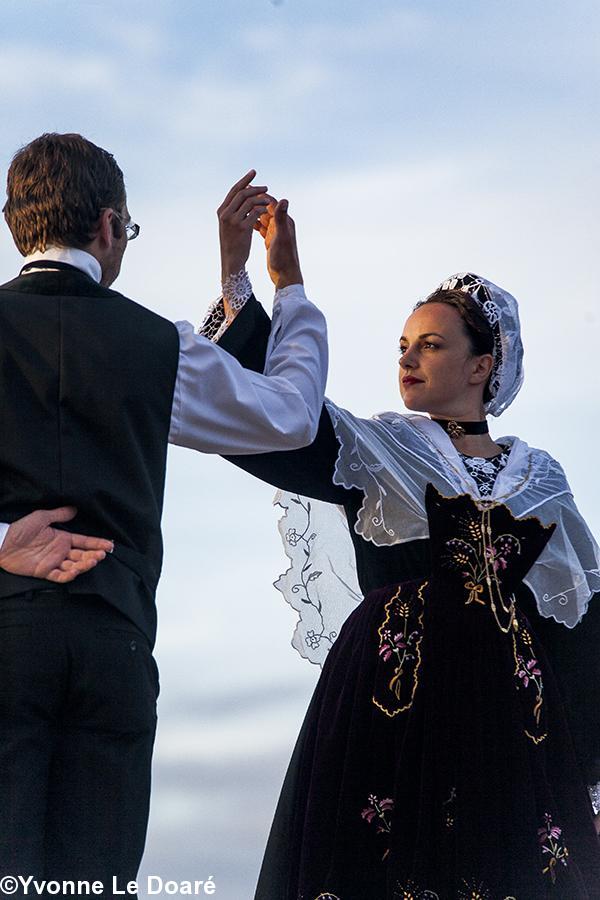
[(392, 457), (511, 479)]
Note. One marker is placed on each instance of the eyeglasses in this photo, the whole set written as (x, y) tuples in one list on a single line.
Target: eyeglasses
[(132, 229)]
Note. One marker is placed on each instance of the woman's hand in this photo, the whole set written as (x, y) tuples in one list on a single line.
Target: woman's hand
[(238, 214), (279, 232)]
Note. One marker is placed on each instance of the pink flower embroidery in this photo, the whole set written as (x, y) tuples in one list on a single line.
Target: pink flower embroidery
[(527, 670), (548, 836), (378, 809), (498, 562)]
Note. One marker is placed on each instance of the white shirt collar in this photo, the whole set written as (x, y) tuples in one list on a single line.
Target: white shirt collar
[(81, 259)]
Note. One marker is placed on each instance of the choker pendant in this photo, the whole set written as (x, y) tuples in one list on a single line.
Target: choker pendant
[(459, 429)]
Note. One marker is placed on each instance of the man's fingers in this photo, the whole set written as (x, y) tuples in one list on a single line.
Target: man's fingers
[(238, 186), (69, 571), (76, 556), (280, 212), (62, 514), (267, 216), (76, 563), (59, 577), (82, 563), (87, 542)]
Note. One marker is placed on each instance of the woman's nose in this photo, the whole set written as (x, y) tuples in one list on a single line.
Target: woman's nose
[(407, 360)]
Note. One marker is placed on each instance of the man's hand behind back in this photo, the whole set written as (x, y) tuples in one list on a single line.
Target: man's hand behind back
[(34, 548)]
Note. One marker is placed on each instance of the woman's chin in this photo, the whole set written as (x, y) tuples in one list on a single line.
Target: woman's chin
[(413, 404)]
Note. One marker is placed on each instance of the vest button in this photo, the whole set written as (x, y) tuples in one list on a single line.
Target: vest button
[(133, 645)]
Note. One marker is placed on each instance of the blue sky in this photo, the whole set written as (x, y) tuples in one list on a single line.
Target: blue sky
[(413, 141)]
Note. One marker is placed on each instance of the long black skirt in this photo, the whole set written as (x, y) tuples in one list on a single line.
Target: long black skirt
[(435, 761)]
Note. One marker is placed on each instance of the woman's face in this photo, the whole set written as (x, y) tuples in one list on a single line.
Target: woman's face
[(438, 374)]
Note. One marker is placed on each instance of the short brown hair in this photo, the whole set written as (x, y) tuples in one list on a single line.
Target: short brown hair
[(476, 326), (56, 187)]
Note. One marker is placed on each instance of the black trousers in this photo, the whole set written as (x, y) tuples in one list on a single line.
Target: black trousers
[(78, 690)]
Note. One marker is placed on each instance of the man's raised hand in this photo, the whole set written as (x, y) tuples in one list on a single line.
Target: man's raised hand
[(238, 214), (32, 547), (279, 232)]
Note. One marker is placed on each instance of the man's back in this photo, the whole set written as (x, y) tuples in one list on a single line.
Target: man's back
[(92, 388), (85, 407)]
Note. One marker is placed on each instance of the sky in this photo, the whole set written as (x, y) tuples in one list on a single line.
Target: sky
[(412, 141)]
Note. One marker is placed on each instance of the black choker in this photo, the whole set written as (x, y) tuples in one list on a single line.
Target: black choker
[(459, 429)]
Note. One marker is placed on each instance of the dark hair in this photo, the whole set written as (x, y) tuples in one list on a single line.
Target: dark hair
[(476, 326), (57, 186)]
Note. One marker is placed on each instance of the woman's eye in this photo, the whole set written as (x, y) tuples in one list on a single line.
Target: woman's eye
[(426, 344)]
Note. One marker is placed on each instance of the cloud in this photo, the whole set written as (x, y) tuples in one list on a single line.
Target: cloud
[(29, 71), (392, 29)]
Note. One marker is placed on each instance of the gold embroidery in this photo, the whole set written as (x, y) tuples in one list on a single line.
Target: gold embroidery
[(536, 740), (474, 589), (396, 641), (528, 673)]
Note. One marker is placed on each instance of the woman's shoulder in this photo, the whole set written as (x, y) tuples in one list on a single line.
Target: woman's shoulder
[(388, 417), (538, 456)]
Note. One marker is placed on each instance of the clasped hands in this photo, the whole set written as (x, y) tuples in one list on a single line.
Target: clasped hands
[(248, 208)]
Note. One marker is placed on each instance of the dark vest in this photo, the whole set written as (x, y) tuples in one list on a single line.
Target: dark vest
[(86, 389)]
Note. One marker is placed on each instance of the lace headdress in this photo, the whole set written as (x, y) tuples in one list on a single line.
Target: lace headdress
[(502, 312)]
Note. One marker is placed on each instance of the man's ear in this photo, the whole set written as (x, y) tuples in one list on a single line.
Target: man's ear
[(107, 228), (117, 228)]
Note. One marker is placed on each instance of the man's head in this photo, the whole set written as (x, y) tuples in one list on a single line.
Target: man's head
[(63, 190)]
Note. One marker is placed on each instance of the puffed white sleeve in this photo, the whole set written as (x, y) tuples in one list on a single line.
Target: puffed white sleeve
[(220, 407)]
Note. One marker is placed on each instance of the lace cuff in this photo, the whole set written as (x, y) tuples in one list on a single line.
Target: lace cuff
[(237, 289), (594, 791)]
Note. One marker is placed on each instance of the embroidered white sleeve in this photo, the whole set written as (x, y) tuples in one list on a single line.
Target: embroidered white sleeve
[(3, 529), (321, 582)]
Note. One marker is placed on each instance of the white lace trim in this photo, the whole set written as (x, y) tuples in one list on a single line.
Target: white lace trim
[(484, 471), (594, 791), (391, 459), (321, 582), (502, 312), (237, 289)]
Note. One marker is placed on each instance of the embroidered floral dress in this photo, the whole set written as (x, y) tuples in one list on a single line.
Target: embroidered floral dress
[(435, 701), (453, 732)]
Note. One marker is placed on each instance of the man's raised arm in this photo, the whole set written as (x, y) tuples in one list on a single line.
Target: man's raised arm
[(220, 407)]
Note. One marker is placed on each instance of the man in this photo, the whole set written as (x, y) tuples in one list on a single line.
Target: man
[(92, 388)]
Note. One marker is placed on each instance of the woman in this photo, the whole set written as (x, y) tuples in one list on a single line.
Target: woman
[(455, 730)]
